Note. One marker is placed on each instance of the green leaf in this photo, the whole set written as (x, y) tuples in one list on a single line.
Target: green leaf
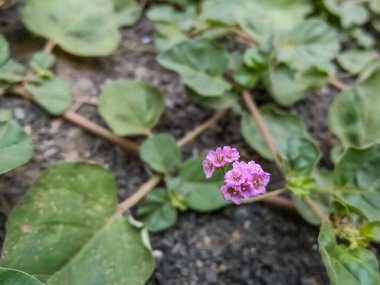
[(311, 43), (363, 37), (286, 14), (356, 173), (4, 50), (53, 95), (288, 87), (355, 61), (16, 148), (374, 5), (15, 277), (201, 194), (358, 168), (322, 200), (80, 27), (68, 222), (353, 116), (12, 72), (200, 63), (255, 20), (224, 101), (349, 12), (127, 12), (344, 266), (301, 155), (42, 60), (131, 107), (5, 115), (156, 211), (161, 153), (370, 232), (281, 125), (221, 11)]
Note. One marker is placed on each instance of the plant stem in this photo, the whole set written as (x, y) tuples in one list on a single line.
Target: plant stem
[(99, 131), (49, 46), (139, 194), (281, 202), (315, 209), (201, 128), (333, 81), (255, 112), (244, 38), (264, 196)]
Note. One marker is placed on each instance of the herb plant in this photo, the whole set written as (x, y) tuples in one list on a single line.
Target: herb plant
[(70, 229)]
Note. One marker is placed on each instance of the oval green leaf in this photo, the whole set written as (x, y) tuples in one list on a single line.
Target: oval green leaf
[(131, 107), (200, 63), (16, 147), (80, 27), (68, 223), (161, 153), (156, 211)]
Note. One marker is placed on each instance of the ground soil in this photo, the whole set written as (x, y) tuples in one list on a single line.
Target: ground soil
[(251, 244)]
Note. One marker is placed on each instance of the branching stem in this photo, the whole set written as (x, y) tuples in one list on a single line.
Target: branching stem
[(315, 209), (264, 196)]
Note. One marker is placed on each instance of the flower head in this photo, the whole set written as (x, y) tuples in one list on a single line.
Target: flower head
[(260, 181), (237, 175), (208, 168), (231, 192)]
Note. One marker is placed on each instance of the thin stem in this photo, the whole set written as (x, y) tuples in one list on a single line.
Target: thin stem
[(201, 128), (139, 194), (333, 81), (255, 112), (264, 196), (49, 46), (315, 209), (244, 38), (95, 129), (281, 202)]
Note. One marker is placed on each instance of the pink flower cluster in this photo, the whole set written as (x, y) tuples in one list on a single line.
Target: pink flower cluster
[(244, 180)]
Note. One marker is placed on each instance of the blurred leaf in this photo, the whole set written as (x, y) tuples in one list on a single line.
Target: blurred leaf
[(356, 173), (221, 11), (53, 95), (41, 63), (5, 115), (161, 153), (363, 38), (311, 43), (127, 12), (156, 211), (255, 20), (355, 61), (200, 63), (131, 107), (322, 200), (370, 232), (354, 115), (374, 5), (16, 277), (70, 211), (288, 87), (286, 14), (349, 12), (16, 147), (224, 101), (80, 27), (358, 168), (4, 50), (201, 194), (281, 125), (301, 155), (12, 72), (344, 266)]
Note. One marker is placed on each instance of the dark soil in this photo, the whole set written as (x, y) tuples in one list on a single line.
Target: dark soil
[(251, 244)]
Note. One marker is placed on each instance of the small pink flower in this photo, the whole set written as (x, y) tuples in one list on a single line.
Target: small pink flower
[(237, 175), (231, 193), (217, 157), (247, 190), (208, 168), (260, 181), (231, 154)]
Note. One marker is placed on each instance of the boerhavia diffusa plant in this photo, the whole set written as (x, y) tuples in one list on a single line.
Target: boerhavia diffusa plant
[(245, 179)]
